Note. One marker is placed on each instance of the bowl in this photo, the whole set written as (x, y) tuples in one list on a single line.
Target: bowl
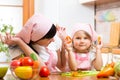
[(3, 69), (24, 72)]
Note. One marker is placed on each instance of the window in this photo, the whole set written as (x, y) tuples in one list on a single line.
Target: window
[(15, 12)]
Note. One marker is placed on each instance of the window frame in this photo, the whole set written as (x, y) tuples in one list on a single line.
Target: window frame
[(28, 9)]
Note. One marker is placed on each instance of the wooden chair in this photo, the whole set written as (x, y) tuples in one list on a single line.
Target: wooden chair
[(113, 45)]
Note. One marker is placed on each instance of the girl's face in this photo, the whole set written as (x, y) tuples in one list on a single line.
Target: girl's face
[(81, 41), (45, 42)]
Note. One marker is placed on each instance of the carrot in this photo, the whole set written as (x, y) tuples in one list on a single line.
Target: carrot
[(74, 73)]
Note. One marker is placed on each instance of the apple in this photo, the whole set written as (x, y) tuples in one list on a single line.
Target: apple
[(44, 71)]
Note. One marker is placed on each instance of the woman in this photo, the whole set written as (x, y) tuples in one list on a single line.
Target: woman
[(38, 33)]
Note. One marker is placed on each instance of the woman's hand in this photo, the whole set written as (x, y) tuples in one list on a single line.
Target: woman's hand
[(10, 39), (61, 31), (67, 41)]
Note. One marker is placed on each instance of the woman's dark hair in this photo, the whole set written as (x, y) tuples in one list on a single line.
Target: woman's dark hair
[(51, 33)]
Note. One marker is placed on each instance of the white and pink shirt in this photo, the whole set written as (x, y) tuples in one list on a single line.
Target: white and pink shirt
[(84, 60)]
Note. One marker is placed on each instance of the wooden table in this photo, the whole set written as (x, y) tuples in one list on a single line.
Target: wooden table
[(59, 77)]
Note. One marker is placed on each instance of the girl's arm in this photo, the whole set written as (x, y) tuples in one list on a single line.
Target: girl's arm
[(62, 58), (61, 52), (66, 50), (98, 62), (71, 59)]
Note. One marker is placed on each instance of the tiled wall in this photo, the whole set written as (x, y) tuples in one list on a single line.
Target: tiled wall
[(116, 57)]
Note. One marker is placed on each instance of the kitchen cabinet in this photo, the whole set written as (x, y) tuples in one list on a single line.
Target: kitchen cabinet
[(98, 2)]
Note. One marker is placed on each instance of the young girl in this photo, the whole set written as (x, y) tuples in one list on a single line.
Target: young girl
[(82, 55), (38, 33)]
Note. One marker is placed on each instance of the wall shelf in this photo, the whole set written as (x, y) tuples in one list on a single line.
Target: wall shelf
[(99, 2)]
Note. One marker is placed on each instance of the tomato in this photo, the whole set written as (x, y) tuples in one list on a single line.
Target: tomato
[(15, 63), (27, 61), (44, 72)]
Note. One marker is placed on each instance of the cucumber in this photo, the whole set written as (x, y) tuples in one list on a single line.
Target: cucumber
[(33, 56)]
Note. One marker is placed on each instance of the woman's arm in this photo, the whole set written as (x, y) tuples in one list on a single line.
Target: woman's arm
[(12, 40), (27, 50)]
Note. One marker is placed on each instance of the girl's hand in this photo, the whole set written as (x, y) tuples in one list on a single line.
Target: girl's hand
[(99, 46), (99, 42), (68, 47)]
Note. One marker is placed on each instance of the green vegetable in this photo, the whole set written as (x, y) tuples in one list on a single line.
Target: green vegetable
[(3, 71), (117, 68), (80, 73), (5, 28), (67, 74), (33, 56), (3, 47)]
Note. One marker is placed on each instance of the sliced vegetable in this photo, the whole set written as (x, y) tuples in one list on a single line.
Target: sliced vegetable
[(68, 39), (80, 73)]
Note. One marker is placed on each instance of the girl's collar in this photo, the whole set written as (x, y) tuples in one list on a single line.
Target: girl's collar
[(82, 52)]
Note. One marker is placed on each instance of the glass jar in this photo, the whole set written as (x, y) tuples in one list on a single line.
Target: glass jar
[(4, 60)]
